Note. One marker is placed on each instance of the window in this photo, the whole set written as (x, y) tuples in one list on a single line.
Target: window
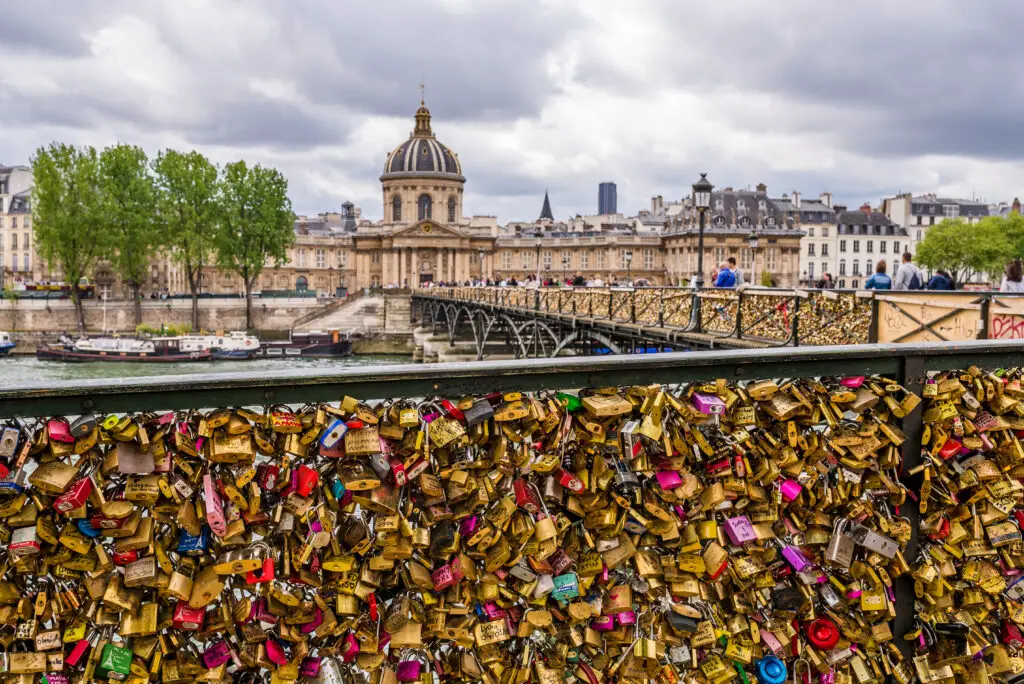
[(375, 256), (896, 248), (506, 260), (425, 207), (24, 239), (869, 267), (719, 256), (824, 249), (14, 222), (600, 258), (810, 232), (527, 259), (842, 267), (919, 220), (649, 259), (566, 259), (855, 284), (824, 231), (856, 267), (871, 246), (343, 258), (25, 260), (584, 259), (824, 267), (321, 258), (745, 258), (772, 258), (396, 208), (919, 236), (451, 209), (14, 244), (950, 210), (856, 245), (741, 205), (547, 259), (931, 220), (881, 247), (842, 246), (810, 249), (810, 270), (27, 221), (300, 257)]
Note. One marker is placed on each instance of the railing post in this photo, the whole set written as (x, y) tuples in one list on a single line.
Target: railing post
[(873, 325), (695, 322), (573, 299), (739, 314), (796, 321), (911, 377), (632, 306), (611, 299), (986, 310), (661, 308), (536, 299)]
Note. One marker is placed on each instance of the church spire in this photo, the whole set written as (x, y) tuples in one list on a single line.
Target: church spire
[(545, 211)]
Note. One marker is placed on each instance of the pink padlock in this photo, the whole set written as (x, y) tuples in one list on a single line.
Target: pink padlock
[(790, 489), (310, 666), (216, 654), (669, 479), (853, 382), (603, 623), (350, 649), (493, 611), (59, 431), (275, 652), (739, 530), (318, 618), (626, 617), (214, 509), (708, 404), (408, 670), (468, 526)]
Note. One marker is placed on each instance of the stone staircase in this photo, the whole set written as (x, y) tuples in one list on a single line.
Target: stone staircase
[(361, 315)]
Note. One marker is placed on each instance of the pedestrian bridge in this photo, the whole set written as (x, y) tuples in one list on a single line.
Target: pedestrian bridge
[(548, 322)]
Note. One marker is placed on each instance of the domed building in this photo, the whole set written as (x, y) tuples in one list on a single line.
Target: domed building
[(424, 236)]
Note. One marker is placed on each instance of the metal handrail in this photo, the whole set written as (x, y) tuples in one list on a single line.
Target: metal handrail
[(457, 379)]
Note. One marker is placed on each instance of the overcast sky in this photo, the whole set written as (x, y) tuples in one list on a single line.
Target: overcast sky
[(863, 99)]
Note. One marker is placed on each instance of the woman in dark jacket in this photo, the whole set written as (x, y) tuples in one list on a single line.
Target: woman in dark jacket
[(940, 281)]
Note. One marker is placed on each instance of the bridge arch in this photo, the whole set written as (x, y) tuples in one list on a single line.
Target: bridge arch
[(580, 335)]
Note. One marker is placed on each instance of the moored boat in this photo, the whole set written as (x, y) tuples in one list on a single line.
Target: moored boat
[(162, 349), (7, 343), (314, 344), (234, 345)]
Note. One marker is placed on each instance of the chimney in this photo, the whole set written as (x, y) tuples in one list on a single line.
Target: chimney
[(826, 199), (795, 199), (1016, 205), (839, 208), (762, 188), (866, 208)]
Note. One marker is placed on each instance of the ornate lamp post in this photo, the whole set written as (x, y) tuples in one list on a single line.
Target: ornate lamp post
[(628, 256), (540, 237), (480, 256), (702, 201), (565, 266), (752, 242)]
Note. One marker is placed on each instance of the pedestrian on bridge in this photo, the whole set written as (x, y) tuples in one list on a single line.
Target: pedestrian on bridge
[(726, 277), (1012, 281), (880, 280)]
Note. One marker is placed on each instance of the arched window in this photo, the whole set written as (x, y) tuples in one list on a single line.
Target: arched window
[(425, 207), (451, 209), (842, 267), (396, 208), (301, 284)]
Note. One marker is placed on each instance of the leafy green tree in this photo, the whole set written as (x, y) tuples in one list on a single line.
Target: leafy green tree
[(255, 223), (188, 199), (964, 249), (129, 204), (71, 232)]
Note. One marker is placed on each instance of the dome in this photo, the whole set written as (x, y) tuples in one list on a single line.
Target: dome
[(422, 154)]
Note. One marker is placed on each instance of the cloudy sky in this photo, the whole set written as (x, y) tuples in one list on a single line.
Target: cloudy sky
[(863, 99)]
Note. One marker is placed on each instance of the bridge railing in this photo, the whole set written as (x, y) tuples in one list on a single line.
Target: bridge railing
[(908, 365), (774, 316)]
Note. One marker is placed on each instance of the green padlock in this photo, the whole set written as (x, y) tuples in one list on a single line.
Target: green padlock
[(115, 663)]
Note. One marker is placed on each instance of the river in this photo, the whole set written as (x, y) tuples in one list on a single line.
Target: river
[(30, 370)]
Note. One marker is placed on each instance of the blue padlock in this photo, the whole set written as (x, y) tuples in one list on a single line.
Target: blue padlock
[(337, 489), (334, 435), (770, 670), (85, 527), (194, 545)]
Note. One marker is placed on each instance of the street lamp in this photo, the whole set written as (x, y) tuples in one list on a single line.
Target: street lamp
[(480, 256), (565, 266), (628, 256), (702, 201), (540, 237), (752, 241)]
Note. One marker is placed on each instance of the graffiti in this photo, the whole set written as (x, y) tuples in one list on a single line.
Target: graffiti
[(894, 318), (1006, 328)]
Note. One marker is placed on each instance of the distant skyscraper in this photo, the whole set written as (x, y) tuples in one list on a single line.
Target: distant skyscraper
[(607, 199)]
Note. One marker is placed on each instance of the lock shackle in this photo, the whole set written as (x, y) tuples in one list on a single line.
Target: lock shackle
[(540, 497)]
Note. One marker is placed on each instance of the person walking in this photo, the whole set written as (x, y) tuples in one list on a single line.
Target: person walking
[(908, 275), (738, 273), (1012, 281), (726, 277), (880, 280)]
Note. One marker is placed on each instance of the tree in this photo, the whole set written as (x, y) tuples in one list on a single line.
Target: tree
[(255, 223), (129, 199), (964, 249), (188, 188), (70, 230)]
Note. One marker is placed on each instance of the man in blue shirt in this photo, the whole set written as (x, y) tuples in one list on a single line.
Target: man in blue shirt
[(726, 277)]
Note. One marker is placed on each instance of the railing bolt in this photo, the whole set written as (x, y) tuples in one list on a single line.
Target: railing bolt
[(269, 395), (88, 405), (740, 371)]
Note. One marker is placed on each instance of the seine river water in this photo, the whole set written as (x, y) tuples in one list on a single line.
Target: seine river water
[(20, 370)]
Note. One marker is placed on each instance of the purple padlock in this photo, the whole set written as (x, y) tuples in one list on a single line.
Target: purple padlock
[(216, 654), (708, 404), (350, 649), (431, 417), (310, 666), (603, 623), (318, 619), (739, 530), (468, 526), (493, 611), (408, 670), (796, 558), (669, 479), (790, 489), (626, 617)]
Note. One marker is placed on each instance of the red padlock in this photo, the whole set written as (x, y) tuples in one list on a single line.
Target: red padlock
[(125, 558), (1011, 636), (823, 633), (307, 480), (268, 475), (186, 617), (75, 496), (265, 574), (570, 481), (452, 410), (526, 498), (398, 471)]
